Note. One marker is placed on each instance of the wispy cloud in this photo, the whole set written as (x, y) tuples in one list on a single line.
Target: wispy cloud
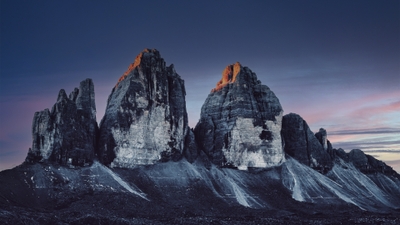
[(378, 110), (380, 151), (383, 130), (392, 145)]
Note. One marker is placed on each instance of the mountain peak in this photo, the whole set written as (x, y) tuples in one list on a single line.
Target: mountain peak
[(228, 75), (236, 73), (61, 95), (146, 119), (67, 134), (240, 122), (142, 59)]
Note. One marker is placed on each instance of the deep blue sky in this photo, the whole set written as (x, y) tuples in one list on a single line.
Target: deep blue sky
[(336, 63)]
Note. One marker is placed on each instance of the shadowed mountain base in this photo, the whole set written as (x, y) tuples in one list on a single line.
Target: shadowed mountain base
[(291, 193)]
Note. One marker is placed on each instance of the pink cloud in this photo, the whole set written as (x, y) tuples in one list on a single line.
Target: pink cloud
[(366, 113), (350, 113)]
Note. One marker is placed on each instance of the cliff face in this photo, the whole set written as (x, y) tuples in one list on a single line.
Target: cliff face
[(66, 134), (301, 143), (145, 119), (365, 163), (240, 122)]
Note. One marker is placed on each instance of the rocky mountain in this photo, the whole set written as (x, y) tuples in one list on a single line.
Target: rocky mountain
[(240, 122), (304, 146), (145, 120), (367, 164), (66, 134), (244, 163)]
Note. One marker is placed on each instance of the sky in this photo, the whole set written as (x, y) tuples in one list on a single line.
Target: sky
[(336, 63)]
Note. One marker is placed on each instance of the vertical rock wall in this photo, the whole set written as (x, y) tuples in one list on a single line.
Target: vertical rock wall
[(303, 145), (145, 119), (66, 134), (240, 122)]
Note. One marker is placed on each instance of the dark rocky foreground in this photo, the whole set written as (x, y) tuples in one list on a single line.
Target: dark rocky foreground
[(74, 217), (48, 194), (244, 163)]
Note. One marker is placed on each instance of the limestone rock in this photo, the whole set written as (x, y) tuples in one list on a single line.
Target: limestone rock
[(340, 153), (240, 122), (145, 119), (303, 145), (358, 158), (66, 134), (365, 163), (191, 151), (322, 137), (294, 133)]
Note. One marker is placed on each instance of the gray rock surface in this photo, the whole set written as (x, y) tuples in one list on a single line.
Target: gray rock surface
[(240, 122), (145, 119), (358, 158), (365, 163), (322, 137), (191, 152), (340, 153), (66, 134), (303, 145)]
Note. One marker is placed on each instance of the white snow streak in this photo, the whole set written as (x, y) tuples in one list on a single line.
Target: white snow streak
[(124, 184), (239, 193)]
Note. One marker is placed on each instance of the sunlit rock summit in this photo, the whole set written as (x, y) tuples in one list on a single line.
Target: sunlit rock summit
[(240, 122), (66, 134), (145, 119)]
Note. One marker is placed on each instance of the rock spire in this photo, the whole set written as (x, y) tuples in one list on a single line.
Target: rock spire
[(66, 134), (240, 122), (303, 145), (145, 120)]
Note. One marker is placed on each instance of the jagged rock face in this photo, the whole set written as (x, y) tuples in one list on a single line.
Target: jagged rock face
[(145, 119), (303, 145), (340, 153), (191, 151), (322, 137), (358, 158), (67, 134), (365, 163), (240, 122)]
